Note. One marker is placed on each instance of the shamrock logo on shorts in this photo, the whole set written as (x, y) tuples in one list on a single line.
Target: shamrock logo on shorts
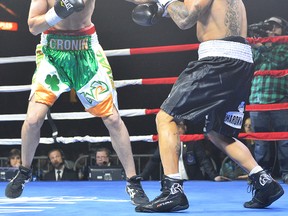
[(53, 82)]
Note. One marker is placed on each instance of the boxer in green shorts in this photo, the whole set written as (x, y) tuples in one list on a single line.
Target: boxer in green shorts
[(67, 60), (70, 57)]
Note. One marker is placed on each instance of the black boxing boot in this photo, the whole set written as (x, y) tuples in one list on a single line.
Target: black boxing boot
[(15, 188), (171, 199), (135, 191), (265, 190)]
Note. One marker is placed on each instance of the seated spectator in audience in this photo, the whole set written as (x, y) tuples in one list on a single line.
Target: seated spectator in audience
[(59, 172), (247, 128), (13, 161), (14, 158), (102, 157)]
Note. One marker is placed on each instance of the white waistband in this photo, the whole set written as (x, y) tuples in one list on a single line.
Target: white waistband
[(94, 39), (222, 48)]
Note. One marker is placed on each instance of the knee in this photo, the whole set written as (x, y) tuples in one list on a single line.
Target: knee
[(160, 117), (112, 120), (163, 118), (34, 120)]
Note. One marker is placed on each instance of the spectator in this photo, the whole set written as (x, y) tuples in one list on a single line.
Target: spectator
[(247, 128), (14, 158), (269, 89), (102, 157), (59, 172)]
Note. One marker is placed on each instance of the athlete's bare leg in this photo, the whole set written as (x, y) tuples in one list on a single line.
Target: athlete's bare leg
[(235, 149), (169, 142), (120, 141), (30, 133)]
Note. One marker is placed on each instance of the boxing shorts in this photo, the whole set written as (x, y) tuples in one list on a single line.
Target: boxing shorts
[(215, 87), (68, 60)]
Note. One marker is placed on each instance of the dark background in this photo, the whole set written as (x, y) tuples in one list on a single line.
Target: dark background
[(115, 30)]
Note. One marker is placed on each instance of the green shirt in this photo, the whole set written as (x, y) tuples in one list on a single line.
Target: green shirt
[(269, 89)]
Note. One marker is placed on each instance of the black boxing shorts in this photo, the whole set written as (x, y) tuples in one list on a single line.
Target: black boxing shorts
[(216, 86)]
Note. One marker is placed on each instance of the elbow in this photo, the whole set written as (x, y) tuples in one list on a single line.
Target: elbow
[(183, 25), (32, 28), (33, 31)]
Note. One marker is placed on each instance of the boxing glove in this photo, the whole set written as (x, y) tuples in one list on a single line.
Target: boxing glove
[(147, 14), (63, 9), (165, 3)]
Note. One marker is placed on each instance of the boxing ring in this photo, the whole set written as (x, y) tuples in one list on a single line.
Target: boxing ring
[(96, 198), (109, 198)]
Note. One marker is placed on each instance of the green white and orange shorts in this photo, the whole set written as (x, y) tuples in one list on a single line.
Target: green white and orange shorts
[(68, 60)]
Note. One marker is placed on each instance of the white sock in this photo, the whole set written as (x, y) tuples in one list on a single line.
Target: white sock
[(255, 170), (175, 176)]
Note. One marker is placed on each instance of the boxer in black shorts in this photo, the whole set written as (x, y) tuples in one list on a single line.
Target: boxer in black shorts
[(215, 86), (207, 87)]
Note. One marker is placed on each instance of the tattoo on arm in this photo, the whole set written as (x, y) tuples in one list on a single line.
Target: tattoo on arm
[(232, 18), (183, 17)]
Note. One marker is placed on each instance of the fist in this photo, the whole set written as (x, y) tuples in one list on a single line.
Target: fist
[(65, 8), (147, 14)]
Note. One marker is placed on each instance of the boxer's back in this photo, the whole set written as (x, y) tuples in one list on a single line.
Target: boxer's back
[(222, 19)]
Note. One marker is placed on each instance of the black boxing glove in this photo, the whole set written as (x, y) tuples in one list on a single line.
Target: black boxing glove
[(63, 9), (147, 14)]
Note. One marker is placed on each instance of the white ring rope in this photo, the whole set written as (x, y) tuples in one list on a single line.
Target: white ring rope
[(21, 88), (72, 115), (31, 58), (67, 140)]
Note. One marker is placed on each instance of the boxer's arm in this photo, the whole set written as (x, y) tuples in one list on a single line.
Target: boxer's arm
[(186, 14), (42, 18), (36, 17)]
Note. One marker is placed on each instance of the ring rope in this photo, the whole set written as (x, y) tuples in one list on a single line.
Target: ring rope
[(147, 138), (147, 81), (275, 73), (152, 81), (78, 115), (131, 112), (149, 50)]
